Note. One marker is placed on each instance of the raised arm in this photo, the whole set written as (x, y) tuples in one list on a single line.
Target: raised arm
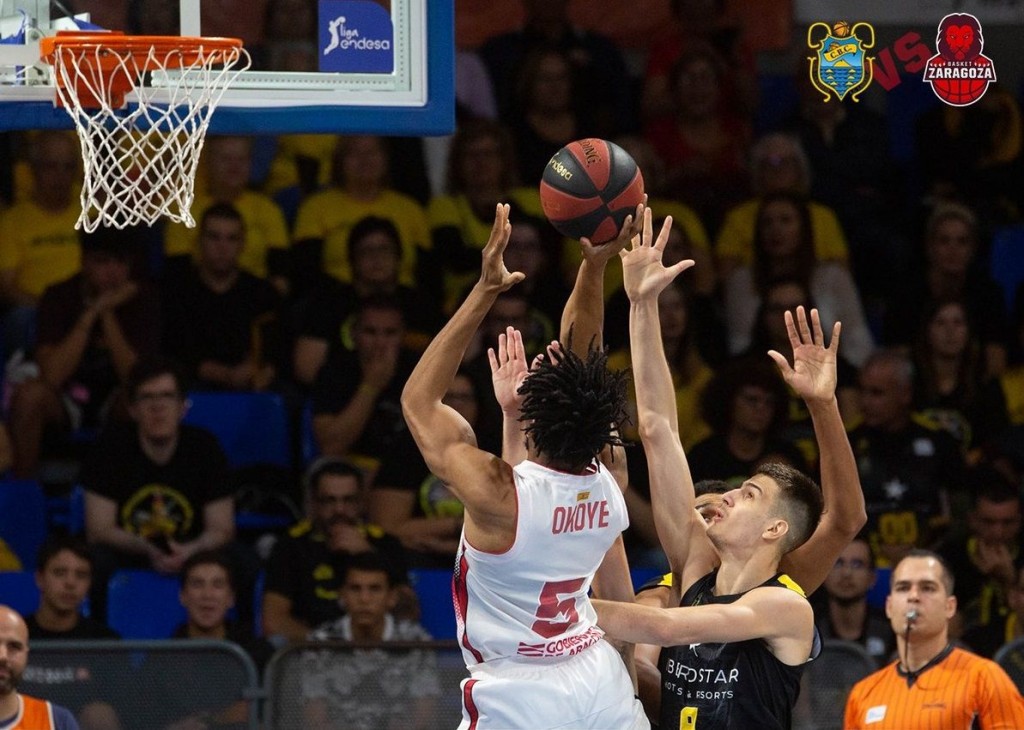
[(480, 480), (813, 378), (583, 315), (672, 496)]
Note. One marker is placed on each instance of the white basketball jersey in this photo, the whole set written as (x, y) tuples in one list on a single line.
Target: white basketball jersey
[(531, 600)]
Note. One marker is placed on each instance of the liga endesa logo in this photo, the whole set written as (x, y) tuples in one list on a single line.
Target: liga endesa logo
[(959, 73)]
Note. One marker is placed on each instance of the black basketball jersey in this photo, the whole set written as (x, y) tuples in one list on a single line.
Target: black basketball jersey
[(733, 686)]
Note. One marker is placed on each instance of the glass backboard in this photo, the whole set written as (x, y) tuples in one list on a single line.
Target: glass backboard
[(318, 66)]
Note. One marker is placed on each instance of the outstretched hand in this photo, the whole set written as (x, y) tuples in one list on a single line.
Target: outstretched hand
[(644, 274), (603, 253), (813, 374), (493, 272), (508, 369)]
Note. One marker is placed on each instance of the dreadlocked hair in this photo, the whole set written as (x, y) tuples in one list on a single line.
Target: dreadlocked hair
[(572, 407)]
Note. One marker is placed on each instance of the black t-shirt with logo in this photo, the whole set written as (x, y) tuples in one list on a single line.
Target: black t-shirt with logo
[(903, 475), (305, 571), (158, 501)]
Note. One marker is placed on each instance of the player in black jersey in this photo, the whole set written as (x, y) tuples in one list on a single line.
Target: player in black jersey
[(740, 648)]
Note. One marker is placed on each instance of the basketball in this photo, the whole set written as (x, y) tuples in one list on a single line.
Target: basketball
[(589, 187), (841, 29)]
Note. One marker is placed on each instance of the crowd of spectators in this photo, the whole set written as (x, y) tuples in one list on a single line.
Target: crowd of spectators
[(322, 276)]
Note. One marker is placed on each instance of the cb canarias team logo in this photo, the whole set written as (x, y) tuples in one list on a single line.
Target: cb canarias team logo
[(841, 65), (959, 73)]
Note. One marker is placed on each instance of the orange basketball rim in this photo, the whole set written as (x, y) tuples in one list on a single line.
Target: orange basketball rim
[(113, 58)]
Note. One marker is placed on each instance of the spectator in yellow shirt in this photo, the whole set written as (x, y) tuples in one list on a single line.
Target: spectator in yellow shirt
[(228, 166), (778, 163), (359, 189), (39, 246)]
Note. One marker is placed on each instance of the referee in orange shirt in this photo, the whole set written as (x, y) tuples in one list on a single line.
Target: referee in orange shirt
[(933, 685)]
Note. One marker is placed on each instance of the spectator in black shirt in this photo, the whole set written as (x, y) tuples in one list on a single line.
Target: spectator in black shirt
[(375, 255), (845, 613), (191, 699), (906, 463), (356, 408), (91, 330), (307, 565), (220, 321), (987, 558), (208, 595), (156, 492), (63, 576)]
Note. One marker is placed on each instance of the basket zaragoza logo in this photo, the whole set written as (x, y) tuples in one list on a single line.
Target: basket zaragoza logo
[(959, 73), (841, 65)]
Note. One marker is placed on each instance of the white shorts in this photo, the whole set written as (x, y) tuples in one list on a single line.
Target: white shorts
[(589, 691)]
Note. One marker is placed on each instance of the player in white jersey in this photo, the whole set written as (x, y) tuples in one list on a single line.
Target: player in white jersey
[(536, 536)]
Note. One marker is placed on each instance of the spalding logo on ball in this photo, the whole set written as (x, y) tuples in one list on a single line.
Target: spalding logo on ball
[(589, 187)]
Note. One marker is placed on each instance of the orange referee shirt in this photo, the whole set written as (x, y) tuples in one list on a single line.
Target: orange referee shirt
[(947, 695)]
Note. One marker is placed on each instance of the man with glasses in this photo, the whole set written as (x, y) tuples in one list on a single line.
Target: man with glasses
[(156, 490), (308, 564), (846, 614)]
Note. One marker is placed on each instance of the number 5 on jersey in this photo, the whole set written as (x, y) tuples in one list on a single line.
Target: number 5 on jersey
[(555, 615)]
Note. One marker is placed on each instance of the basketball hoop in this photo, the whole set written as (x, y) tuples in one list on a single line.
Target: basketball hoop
[(140, 158)]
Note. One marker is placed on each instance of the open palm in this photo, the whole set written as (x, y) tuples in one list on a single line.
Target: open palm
[(508, 369), (813, 373), (644, 275)]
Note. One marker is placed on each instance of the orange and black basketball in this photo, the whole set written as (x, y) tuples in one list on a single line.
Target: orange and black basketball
[(589, 187)]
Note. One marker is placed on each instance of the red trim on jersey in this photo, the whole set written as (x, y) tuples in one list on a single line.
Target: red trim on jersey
[(469, 704), (460, 594)]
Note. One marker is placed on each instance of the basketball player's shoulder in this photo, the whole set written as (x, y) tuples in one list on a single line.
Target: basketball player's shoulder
[(784, 581)]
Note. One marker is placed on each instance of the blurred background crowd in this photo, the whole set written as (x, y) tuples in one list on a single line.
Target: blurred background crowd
[(322, 265)]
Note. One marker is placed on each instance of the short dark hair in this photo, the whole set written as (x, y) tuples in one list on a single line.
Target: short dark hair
[(113, 242), (378, 302), (800, 500), (149, 368), (948, 580), (370, 562), (208, 557), (573, 406), (221, 210), (330, 465), (369, 225), (986, 482), (59, 542)]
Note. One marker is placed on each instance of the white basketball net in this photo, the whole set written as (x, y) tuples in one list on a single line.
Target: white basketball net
[(140, 161)]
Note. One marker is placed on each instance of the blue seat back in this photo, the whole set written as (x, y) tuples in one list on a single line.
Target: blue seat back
[(18, 590), (437, 612), (23, 518), (308, 445), (252, 427), (142, 604), (1006, 261)]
